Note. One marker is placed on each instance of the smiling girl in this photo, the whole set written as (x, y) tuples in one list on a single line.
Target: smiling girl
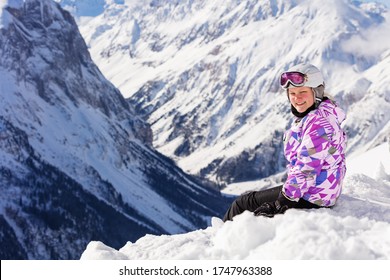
[(314, 147)]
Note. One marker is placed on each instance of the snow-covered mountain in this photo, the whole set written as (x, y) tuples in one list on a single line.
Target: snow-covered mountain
[(76, 162), (205, 73)]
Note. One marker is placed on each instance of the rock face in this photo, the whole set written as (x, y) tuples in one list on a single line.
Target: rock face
[(76, 162)]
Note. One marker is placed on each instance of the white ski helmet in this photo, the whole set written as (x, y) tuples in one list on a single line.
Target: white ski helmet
[(312, 77)]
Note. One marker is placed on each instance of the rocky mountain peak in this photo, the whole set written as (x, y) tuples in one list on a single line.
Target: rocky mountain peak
[(76, 163)]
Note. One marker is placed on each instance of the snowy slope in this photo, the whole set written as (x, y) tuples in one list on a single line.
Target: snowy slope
[(76, 162), (204, 74), (358, 227)]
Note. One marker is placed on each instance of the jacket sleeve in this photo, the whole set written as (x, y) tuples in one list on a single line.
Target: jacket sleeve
[(310, 158)]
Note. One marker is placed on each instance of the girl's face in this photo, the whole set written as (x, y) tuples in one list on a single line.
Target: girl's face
[(302, 98)]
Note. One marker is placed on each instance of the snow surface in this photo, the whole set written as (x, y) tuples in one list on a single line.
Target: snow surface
[(385, 2), (358, 227)]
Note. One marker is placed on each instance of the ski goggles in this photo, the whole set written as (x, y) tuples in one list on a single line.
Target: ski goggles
[(297, 79)]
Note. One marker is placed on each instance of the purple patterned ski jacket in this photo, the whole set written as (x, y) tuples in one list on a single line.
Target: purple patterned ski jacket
[(315, 149)]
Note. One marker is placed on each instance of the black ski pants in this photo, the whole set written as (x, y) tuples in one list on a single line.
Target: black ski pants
[(252, 200)]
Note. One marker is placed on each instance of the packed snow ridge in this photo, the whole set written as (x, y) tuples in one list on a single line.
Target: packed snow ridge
[(358, 227)]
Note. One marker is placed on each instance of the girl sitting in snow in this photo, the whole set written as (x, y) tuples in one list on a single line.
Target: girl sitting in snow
[(314, 147)]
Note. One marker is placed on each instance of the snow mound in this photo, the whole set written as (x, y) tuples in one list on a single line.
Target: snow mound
[(358, 227), (322, 234)]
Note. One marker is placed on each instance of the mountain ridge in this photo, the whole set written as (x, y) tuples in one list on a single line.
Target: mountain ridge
[(205, 74), (76, 161)]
